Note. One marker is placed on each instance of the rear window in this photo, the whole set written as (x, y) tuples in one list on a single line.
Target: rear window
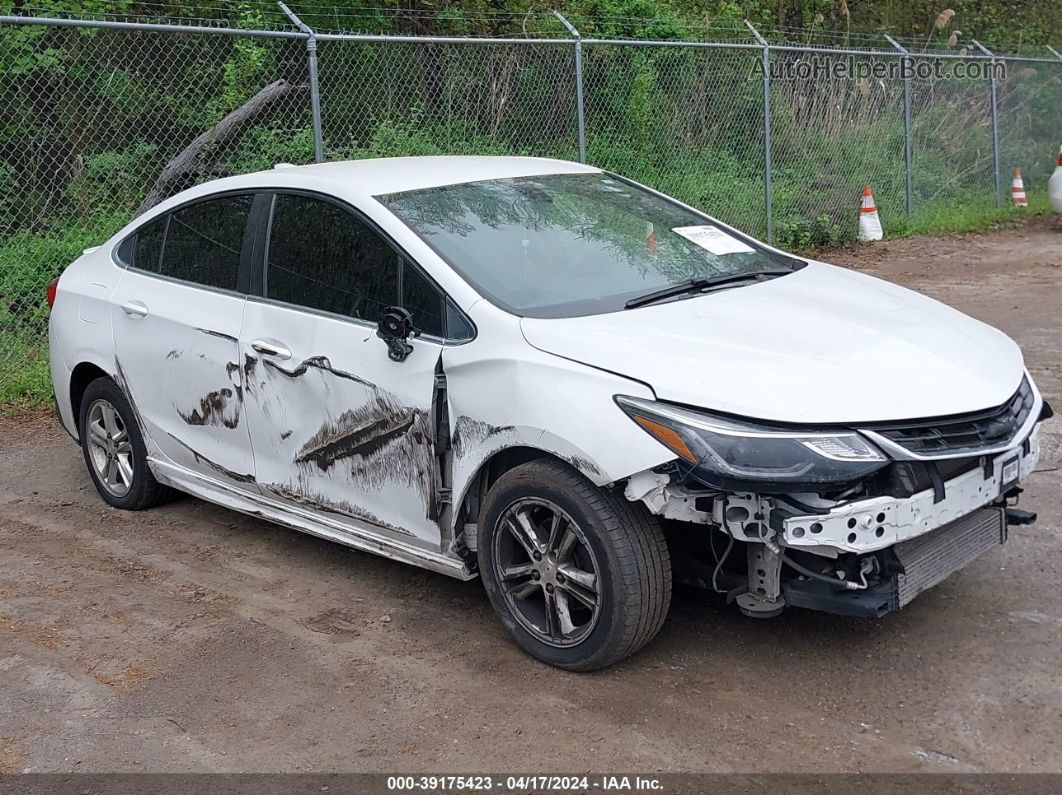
[(147, 250), (143, 248), (200, 243), (203, 242)]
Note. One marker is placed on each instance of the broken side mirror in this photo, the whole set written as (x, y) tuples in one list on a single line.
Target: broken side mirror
[(395, 327)]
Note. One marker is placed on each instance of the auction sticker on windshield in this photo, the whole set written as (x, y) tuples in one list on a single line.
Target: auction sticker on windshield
[(713, 239)]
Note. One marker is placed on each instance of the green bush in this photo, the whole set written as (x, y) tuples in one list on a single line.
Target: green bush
[(28, 262), (109, 179), (799, 234)]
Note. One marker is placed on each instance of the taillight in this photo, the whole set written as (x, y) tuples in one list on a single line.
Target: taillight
[(1060, 157), (53, 286)]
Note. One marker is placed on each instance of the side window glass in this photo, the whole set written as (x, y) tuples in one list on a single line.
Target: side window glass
[(457, 326), (124, 252), (423, 301), (146, 246), (322, 257), (203, 241)]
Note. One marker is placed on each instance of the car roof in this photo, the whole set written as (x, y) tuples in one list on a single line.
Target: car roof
[(361, 179), (396, 174)]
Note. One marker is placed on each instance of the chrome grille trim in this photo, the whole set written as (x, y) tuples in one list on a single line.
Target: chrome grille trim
[(1019, 414)]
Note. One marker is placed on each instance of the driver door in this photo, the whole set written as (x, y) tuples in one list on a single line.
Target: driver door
[(338, 429)]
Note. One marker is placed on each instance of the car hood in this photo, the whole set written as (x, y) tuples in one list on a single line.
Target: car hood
[(821, 345)]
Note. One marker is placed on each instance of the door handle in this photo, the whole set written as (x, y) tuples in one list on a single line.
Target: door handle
[(270, 348), (135, 308)]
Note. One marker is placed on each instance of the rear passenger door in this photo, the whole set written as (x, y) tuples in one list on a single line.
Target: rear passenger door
[(340, 430), (177, 314)]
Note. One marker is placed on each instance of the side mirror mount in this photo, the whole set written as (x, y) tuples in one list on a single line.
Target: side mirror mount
[(395, 327)]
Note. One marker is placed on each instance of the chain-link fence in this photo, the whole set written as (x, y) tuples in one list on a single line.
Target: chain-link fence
[(685, 120), (384, 98), (100, 118)]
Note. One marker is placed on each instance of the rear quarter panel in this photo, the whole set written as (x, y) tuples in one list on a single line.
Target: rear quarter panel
[(79, 326)]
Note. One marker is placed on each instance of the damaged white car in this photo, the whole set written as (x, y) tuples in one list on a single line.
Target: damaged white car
[(547, 376)]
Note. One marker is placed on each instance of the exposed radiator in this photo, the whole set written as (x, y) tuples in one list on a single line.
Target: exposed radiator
[(928, 559)]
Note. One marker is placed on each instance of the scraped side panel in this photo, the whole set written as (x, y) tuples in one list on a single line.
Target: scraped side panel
[(179, 365), (503, 393), (339, 428)]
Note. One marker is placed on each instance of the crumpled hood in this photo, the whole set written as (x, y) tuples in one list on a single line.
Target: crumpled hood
[(821, 345)]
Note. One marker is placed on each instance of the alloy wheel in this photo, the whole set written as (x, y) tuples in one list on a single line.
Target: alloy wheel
[(547, 572), (110, 448)]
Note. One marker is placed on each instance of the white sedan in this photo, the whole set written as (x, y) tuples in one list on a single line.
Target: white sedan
[(1054, 186), (547, 376)]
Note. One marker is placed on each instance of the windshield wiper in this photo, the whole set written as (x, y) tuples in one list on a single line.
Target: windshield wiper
[(704, 283)]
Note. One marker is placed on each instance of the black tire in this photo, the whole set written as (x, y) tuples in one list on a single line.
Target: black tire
[(629, 552), (143, 491)]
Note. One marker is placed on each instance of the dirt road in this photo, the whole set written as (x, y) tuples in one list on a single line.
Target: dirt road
[(189, 638)]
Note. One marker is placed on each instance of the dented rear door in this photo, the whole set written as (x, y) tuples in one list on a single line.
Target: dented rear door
[(338, 429), (177, 313)]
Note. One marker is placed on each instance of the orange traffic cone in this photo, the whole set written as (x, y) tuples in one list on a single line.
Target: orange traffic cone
[(869, 222), (1017, 190)]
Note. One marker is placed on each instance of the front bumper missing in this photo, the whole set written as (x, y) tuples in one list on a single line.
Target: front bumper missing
[(869, 525), (921, 563), (903, 545)]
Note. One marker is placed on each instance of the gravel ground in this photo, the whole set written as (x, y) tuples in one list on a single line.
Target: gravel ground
[(190, 638)]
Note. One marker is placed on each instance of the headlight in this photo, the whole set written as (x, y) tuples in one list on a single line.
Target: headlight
[(732, 454)]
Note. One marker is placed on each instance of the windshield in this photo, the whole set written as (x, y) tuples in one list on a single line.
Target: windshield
[(564, 245)]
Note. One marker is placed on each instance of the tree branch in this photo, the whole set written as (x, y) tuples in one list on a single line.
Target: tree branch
[(190, 163)]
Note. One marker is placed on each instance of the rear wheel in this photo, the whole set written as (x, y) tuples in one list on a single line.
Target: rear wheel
[(580, 577), (114, 449)]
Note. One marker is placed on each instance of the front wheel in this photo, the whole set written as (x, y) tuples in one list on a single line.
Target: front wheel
[(580, 577)]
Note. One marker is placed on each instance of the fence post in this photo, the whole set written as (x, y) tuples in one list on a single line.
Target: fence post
[(767, 193), (579, 112), (995, 113), (1053, 51), (315, 92), (909, 166)]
